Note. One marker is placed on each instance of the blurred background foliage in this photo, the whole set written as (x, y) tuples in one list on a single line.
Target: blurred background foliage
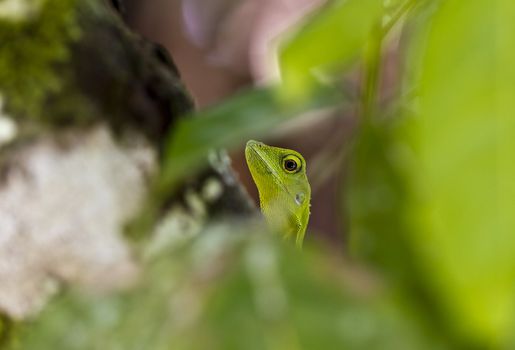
[(405, 111)]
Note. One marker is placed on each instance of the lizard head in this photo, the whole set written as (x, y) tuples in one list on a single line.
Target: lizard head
[(280, 177)]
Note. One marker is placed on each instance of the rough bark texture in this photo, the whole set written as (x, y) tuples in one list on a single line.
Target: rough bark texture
[(71, 180)]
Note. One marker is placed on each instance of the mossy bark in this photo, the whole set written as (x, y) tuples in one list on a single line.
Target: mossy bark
[(72, 76)]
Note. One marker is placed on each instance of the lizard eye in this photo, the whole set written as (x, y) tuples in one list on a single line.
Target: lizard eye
[(291, 164)]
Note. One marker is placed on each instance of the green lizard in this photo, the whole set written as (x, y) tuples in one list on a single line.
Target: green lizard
[(284, 191)]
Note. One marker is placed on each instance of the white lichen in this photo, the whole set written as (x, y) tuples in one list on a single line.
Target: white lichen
[(8, 128), (63, 205), (262, 266), (221, 163), (212, 190), (195, 204), (174, 230)]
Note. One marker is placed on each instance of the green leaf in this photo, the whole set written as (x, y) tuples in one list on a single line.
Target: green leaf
[(231, 123), (330, 40), (464, 140), (433, 195), (234, 287)]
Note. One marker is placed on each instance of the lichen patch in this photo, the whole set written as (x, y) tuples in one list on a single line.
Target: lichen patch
[(62, 212)]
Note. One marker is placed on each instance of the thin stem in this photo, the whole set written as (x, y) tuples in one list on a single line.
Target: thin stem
[(372, 73), (373, 59), (401, 11)]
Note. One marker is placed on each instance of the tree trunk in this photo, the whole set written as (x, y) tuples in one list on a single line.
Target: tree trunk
[(85, 134)]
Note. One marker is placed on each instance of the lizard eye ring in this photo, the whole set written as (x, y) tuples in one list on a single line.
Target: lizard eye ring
[(291, 164)]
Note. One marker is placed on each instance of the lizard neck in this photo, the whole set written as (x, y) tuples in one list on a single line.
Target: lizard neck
[(277, 210)]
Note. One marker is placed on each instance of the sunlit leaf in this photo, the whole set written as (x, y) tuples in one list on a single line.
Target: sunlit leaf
[(434, 192), (464, 140), (327, 43)]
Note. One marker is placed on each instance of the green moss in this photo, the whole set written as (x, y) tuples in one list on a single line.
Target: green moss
[(31, 51), (8, 339), (2, 328)]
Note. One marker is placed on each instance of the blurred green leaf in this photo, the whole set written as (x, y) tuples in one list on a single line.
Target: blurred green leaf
[(231, 123), (433, 191), (330, 40), (234, 289), (464, 139), (377, 196)]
